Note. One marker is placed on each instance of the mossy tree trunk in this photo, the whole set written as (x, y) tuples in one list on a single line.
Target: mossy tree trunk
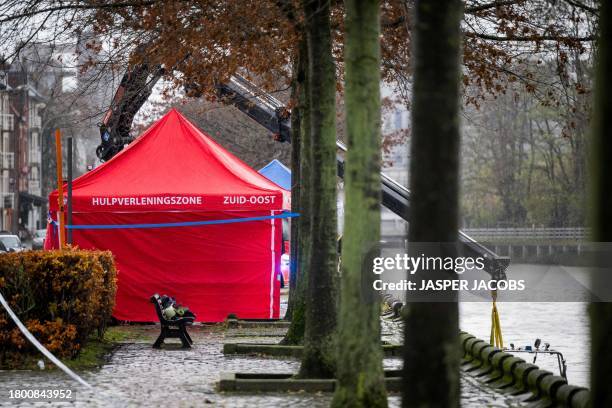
[(318, 359), (300, 259), (360, 371), (601, 217), (296, 85), (431, 350)]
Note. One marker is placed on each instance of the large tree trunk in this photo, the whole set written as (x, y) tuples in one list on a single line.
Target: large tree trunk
[(319, 336), (431, 350), (296, 118), (360, 372), (300, 260), (601, 313)]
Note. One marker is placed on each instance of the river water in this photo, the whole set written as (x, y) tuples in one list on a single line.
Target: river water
[(562, 324), (565, 325)]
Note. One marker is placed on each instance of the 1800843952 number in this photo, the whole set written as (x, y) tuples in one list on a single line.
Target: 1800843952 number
[(44, 394)]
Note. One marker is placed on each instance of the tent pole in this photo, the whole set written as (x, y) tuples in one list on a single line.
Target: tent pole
[(69, 163), (60, 188)]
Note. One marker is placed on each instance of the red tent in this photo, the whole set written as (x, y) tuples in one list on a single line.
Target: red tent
[(176, 173)]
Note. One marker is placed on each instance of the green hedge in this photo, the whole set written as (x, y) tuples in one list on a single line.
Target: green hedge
[(63, 297)]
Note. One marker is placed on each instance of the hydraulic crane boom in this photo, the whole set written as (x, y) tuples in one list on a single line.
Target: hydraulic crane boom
[(271, 114), (134, 90), (260, 106)]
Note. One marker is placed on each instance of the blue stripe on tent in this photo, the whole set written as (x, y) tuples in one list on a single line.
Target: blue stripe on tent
[(180, 224)]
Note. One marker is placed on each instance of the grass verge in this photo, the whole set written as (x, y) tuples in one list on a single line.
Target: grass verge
[(94, 354)]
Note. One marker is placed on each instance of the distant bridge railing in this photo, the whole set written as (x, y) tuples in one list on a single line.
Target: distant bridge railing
[(531, 234)]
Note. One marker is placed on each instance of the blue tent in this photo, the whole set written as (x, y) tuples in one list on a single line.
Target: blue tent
[(278, 173)]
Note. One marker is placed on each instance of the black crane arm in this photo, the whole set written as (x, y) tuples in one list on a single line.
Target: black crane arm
[(134, 89)]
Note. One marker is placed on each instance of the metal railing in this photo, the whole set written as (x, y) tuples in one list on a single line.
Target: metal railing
[(7, 121), (548, 234)]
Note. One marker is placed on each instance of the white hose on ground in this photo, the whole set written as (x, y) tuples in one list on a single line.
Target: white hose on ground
[(39, 346), (111, 398)]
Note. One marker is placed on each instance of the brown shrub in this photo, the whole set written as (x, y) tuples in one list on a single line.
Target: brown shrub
[(61, 296)]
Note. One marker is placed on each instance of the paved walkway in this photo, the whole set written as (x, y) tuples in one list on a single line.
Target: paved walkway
[(138, 375)]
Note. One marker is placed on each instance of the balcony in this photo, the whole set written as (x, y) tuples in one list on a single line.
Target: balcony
[(7, 121), (7, 160)]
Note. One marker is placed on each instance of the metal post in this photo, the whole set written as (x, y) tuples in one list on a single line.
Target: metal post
[(69, 163), (60, 189)]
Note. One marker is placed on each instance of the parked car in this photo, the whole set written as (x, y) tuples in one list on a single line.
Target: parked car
[(38, 241), (11, 243)]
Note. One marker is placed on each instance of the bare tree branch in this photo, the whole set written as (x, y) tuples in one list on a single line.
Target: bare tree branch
[(530, 38), (487, 6), (583, 6), (77, 6)]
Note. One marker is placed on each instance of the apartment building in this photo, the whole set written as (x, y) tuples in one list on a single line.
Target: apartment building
[(21, 204), (7, 157)]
